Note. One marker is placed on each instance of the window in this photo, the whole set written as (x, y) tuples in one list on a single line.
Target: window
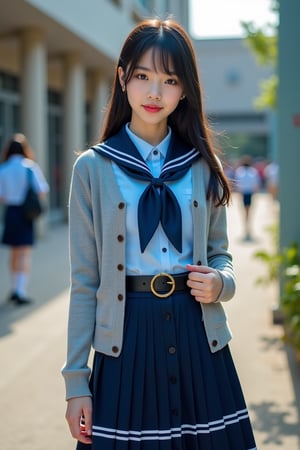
[(10, 120), (55, 152)]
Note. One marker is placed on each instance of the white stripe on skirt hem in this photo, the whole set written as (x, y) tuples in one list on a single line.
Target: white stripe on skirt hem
[(149, 435)]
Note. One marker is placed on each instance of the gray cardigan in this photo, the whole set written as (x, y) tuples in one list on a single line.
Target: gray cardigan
[(97, 255)]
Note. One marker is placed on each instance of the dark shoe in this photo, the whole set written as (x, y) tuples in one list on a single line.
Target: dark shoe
[(13, 297), (23, 301), (18, 300)]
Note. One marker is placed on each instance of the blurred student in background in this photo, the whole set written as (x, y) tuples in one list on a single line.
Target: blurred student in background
[(18, 232), (247, 183)]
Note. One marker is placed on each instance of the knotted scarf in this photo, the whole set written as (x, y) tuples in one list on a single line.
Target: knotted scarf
[(157, 203)]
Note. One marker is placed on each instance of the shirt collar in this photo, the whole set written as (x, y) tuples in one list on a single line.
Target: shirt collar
[(15, 157), (145, 148)]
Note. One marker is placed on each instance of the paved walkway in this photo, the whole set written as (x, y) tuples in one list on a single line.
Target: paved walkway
[(32, 346)]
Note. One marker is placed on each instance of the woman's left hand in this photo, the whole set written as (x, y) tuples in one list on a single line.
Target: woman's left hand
[(205, 283)]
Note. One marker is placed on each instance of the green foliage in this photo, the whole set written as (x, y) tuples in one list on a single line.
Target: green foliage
[(290, 298), (263, 45), (268, 96), (285, 264), (271, 259), (263, 41)]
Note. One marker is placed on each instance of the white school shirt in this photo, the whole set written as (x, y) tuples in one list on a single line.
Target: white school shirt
[(247, 179), (14, 181), (160, 255)]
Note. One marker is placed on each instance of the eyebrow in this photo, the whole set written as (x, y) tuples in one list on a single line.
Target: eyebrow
[(147, 69)]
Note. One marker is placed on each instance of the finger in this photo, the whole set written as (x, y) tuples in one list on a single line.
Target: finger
[(76, 422), (203, 299), (88, 420), (199, 269), (200, 283), (202, 277)]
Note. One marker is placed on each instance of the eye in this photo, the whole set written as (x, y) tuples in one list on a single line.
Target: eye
[(141, 76), (171, 81)]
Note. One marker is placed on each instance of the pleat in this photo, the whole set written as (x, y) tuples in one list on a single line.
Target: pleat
[(166, 390)]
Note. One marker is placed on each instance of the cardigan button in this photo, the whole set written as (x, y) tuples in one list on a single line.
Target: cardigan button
[(199, 263), (195, 203), (214, 343), (115, 349), (120, 297), (121, 205), (120, 237), (120, 267)]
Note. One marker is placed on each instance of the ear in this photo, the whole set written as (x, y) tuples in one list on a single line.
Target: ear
[(121, 76)]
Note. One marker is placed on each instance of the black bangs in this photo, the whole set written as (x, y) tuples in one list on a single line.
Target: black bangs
[(163, 60), (166, 51)]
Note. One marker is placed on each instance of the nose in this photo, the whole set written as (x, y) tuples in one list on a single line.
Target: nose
[(154, 93), (154, 96)]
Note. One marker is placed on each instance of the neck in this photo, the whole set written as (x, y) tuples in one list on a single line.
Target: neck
[(151, 134)]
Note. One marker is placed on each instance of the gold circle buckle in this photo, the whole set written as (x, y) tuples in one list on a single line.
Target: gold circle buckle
[(171, 282)]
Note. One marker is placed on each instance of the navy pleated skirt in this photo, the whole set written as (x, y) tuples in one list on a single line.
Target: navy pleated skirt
[(17, 230), (167, 391)]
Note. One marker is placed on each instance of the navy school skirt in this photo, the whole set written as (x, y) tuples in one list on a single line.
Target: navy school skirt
[(167, 391), (17, 230)]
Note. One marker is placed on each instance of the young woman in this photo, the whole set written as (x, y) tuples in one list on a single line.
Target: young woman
[(150, 266), (18, 232)]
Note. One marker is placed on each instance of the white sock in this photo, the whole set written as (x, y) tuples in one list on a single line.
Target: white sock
[(20, 283)]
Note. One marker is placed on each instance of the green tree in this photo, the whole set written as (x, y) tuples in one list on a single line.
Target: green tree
[(264, 43)]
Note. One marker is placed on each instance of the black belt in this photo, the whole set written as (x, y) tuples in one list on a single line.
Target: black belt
[(161, 285)]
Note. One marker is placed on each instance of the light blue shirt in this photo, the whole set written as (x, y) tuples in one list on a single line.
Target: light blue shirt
[(159, 255), (14, 179)]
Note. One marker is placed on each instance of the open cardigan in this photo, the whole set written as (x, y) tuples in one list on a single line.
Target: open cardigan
[(98, 266)]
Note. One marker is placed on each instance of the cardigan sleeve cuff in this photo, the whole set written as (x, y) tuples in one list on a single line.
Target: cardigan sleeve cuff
[(228, 288), (77, 384)]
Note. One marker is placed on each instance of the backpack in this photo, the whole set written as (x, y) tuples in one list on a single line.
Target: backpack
[(32, 206)]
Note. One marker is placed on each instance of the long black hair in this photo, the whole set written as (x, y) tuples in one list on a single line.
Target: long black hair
[(172, 44)]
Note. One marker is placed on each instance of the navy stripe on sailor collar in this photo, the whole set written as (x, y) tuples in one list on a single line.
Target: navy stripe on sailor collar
[(122, 150)]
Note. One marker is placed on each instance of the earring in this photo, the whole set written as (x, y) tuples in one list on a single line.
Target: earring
[(123, 87), (182, 97)]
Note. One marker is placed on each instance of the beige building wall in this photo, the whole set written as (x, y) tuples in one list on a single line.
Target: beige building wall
[(57, 60), (231, 79)]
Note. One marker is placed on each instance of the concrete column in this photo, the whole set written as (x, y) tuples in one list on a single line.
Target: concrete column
[(100, 95), (74, 114), (289, 122), (34, 101), (34, 94)]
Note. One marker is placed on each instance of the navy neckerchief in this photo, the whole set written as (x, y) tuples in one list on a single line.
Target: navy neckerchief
[(157, 203)]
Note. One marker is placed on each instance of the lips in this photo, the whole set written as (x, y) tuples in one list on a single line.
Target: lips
[(152, 108)]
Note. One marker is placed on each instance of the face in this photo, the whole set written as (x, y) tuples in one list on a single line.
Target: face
[(152, 94)]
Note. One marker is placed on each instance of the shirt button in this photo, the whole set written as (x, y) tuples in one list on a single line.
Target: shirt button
[(120, 297), (155, 152), (195, 203), (168, 316), (115, 349), (172, 350), (121, 205), (164, 249), (120, 267), (120, 238), (199, 263), (214, 343)]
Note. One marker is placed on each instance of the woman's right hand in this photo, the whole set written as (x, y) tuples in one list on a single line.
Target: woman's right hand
[(79, 418)]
